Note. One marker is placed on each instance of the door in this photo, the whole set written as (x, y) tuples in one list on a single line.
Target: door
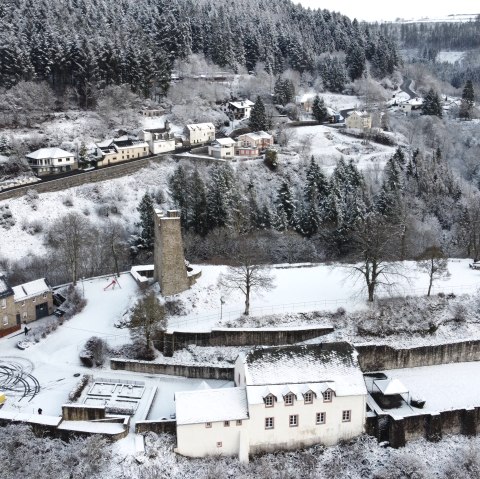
[(19, 319), (41, 310)]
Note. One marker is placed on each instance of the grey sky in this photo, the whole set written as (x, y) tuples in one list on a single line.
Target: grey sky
[(385, 10)]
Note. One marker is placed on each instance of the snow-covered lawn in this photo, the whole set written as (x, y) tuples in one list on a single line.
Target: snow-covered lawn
[(449, 57), (328, 146)]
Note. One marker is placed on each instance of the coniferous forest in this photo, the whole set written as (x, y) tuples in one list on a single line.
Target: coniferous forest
[(88, 44)]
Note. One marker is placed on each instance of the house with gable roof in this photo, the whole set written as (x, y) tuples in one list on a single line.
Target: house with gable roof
[(359, 119), (295, 396), (199, 133), (160, 140), (240, 110), (47, 161)]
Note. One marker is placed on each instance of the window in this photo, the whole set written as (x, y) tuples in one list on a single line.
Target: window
[(293, 420), (208, 424), (219, 444), (144, 149), (226, 423), (4, 303), (308, 397), (239, 422), (321, 418), (346, 416), (23, 303), (60, 160), (288, 399), (34, 300), (269, 423), (44, 295), (327, 395), (5, 320), (269, 400), (25, 315)]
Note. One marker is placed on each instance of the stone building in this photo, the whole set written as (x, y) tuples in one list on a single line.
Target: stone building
[(170, 267), (23, 304)]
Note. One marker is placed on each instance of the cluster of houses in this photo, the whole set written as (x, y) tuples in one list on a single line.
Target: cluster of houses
[(23, 304), (154, 141)]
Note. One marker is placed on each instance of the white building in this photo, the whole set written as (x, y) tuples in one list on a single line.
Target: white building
[(240, 110), (222, 148), (256, 139), (359, 119), (200, 133), (160, 140), (411, 105), (47, 161), (286, 398)]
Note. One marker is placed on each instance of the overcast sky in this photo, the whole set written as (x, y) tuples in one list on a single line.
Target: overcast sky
[(389, 10)]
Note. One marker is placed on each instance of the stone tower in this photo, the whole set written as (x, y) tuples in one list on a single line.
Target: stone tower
[(170, 269)]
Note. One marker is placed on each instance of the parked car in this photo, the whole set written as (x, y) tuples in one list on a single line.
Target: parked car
[(59, 312)]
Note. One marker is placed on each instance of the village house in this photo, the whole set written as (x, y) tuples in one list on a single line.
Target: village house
[(411, 105), (240, 110), (251, 144), (222, 148), (285, 398), (359, 119), (119, 149), (23, 304), (200, 133), (160, 140), (47, 161)]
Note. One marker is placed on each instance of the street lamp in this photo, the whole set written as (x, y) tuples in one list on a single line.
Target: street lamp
[(222, 302)]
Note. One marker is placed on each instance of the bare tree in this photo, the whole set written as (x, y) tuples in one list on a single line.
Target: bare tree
[(70, 237), (147, 317), (434, 263), (376, 243), (248, 273)]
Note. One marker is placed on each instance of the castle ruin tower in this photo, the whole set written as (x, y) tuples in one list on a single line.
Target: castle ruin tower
[(170, 269)]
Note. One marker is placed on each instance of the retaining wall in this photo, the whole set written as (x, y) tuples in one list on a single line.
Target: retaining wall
[(380, 357), (168, 343), (158, 427), (198, 372), (398, 431), (81, 412)]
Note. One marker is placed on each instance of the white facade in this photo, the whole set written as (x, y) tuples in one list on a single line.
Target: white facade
[(257, 139), (286, 398), (200, 133), (222, 148), (159, 140), (241, 109), (359, 119), (51, 160)]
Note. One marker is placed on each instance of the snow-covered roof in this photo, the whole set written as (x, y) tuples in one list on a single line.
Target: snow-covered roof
[(242, 104), (258, 135), (257, 394), (224, 142), (359, 113), (33, 288), (140, 144), (389, 387), (201, 126), (44, 153), (314, 364), (5, 289), (211, 405)]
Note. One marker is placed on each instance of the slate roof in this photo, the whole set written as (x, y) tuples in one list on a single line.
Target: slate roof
[(33, 288), (313, 364), (5, 289), (201, 126), (210, 405)]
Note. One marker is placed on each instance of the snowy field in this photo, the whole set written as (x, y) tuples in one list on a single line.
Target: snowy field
[(449, 57), (328, 146)]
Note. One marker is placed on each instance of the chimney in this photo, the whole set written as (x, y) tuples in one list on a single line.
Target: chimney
[(167, 125)]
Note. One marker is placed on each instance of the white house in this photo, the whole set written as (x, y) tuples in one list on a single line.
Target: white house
[(200, 133), (285, 398), (240, 109), (47, 161), (256, 139), (222, 148), (160, 140), (359, 119), (119, 149), (411, 105)]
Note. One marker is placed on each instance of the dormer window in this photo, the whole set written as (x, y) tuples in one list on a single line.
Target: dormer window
[(308, 397), (328, 395), (269, 400), (288, 399)]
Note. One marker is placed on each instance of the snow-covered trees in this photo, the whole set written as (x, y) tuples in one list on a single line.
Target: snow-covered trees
[(319, 110), (258, 117), (433, 262), (432, 104), (284, 91), (145, 208), (468, 101)]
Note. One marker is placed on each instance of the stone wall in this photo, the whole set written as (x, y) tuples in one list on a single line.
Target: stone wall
[(187, 371), (170, 342), (80, 412), (398, 431), (158, 427), (380, 357)]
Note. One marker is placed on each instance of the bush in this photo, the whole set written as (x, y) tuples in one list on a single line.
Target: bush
[(6, 217), (175, 307), (271, 159), (94, 352), (74, 303), (76, 392)]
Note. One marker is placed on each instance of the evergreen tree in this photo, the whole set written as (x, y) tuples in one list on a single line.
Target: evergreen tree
[(319, 110), (146, 223), (179, 187), (198, 200), (283, 91), (258, 116), (285, 207), (221, 197), (355, 61), (432, 104), (468, 100)]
